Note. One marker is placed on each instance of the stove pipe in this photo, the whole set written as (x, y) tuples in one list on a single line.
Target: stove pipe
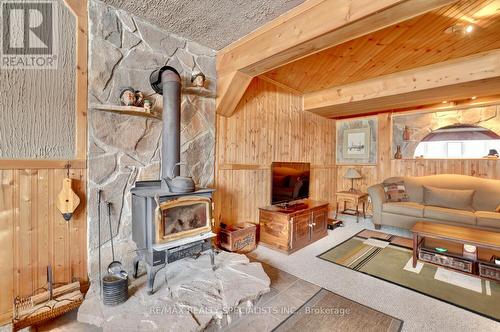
[(167, 82)]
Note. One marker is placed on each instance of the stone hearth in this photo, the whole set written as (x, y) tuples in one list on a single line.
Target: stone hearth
[(194, 298)]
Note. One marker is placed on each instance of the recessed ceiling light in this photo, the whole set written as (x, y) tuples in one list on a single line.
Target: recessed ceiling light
[(473, 97), (460, 28), (445, 101)]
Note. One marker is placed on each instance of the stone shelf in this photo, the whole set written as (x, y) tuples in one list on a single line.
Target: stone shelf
[(128, 110)]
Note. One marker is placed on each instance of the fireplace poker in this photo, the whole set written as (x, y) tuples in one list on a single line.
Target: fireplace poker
[(99, 192), (115, 267)]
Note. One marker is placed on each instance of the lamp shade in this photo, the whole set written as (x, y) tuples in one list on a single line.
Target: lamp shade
[(352, 173)]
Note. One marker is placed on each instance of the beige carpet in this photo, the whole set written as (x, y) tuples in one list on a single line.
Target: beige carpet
[(388, 257)]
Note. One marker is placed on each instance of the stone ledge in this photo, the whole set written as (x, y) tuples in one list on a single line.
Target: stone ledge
[(194, 297)]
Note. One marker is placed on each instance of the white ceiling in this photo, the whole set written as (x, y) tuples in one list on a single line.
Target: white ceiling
[(213, 23)]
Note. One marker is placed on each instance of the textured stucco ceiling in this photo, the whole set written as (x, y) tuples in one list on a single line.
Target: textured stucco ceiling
[(213, 23)]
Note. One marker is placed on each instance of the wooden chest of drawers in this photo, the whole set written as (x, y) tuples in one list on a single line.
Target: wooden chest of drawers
[(291, 229)]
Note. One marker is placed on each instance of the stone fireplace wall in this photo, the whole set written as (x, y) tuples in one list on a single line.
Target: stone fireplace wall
[(422, 124), (123, 51)]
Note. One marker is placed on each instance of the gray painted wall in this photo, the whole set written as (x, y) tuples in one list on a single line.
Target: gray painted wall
[(37, 107)]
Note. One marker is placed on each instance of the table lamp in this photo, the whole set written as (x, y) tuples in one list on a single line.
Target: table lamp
[(352, 174)]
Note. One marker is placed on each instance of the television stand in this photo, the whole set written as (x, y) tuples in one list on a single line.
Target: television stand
[(291, 229)]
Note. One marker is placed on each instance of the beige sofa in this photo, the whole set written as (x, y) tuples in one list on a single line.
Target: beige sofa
[(481, 213)]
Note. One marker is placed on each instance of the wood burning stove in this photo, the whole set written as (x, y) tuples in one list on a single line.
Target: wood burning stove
[(168, 225)]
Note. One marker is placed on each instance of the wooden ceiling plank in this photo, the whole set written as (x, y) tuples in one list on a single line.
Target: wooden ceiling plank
[(458, 71), (310, 29), (396, 59), (399, 60), (372, 60), (328, 23), (335, 59), (370, 53), (454, 15), (424, 43)]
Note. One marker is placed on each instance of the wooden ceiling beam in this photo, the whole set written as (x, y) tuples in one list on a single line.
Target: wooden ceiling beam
[(309, 28), (476, 75)]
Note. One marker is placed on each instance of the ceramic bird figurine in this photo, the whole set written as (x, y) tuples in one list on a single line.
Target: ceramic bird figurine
[(67, 200)]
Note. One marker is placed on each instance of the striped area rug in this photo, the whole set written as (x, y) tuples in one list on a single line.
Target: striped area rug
[(388, 257)]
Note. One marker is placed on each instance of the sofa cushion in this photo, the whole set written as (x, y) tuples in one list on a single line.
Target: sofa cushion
[(488, 219), (405, 208), (414, 189), (445, 214), (395, 192), (448, 198)]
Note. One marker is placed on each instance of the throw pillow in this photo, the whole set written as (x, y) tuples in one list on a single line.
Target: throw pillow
[(396, 192), (449, 198)]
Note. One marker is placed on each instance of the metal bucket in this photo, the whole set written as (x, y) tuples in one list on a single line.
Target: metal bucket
[(114, 289)]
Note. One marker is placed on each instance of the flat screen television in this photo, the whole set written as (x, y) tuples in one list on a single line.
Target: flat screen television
[(290, 181)]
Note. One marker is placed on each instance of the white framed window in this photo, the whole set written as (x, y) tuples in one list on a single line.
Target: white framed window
[(454, 149)]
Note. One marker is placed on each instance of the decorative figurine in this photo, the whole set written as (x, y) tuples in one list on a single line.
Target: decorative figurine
[(492, 154), (139, 99), (406, 134), (127, 97), (198, 79), (148, 105), (398, 154)]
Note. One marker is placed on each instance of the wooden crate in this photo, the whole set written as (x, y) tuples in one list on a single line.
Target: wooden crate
[(239, 238)]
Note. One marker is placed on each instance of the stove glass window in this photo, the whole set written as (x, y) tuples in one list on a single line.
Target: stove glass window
[(183, 218)]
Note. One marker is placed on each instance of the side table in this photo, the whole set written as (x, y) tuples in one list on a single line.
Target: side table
[(356, 198)]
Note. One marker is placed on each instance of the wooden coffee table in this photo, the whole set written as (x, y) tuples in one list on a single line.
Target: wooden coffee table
[(454, 237)]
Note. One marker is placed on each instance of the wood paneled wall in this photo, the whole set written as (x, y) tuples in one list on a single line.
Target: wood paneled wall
[(34, 234), (269, 125), (483, 168)]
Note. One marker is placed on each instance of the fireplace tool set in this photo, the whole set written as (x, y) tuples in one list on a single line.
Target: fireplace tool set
[(114, 285)]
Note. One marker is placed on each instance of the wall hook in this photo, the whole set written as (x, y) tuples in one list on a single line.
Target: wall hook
[(67, 166)]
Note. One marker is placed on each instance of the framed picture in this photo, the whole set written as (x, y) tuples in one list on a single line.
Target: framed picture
[(356, 142)]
